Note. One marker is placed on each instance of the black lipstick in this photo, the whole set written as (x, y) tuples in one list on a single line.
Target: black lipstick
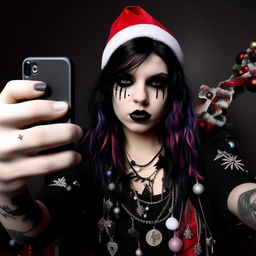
[(140, 115)]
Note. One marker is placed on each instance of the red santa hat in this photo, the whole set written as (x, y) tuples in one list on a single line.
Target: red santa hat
[(135, 22)]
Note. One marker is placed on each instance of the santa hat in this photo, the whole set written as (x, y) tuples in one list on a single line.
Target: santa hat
[(135, 22)]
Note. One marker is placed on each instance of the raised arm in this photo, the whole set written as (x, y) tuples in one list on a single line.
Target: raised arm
[(242, 203), (22, 216)]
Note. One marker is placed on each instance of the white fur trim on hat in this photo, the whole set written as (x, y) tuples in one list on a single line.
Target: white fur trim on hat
[(141, 30)]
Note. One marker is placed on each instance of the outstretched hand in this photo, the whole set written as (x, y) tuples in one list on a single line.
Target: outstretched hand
[(20, 141)]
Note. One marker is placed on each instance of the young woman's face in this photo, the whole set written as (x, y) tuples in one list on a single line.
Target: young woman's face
[(139, 96)]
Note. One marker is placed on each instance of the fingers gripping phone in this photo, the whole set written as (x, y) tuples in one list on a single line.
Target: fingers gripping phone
[(56, 72)]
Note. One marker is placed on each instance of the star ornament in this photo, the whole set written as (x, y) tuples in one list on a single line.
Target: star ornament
[(230, 161)]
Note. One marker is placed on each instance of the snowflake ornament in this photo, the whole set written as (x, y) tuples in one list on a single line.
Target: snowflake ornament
[(188, 234), (197, 249), (230, 161), (60, 182)]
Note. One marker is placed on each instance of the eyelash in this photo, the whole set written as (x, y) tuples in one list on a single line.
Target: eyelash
[(158, 83)]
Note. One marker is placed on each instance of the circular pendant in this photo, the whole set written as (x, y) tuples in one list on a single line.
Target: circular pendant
[(154, 237)]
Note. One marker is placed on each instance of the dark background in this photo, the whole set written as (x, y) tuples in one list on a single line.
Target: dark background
[(211, 34)]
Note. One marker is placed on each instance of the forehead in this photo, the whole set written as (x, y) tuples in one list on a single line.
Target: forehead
[(151, 66)]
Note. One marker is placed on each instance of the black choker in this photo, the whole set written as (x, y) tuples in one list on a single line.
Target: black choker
[(138, 167)]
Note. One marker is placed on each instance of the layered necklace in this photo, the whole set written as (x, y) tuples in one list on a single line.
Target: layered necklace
[(137, 168), (140, 214)]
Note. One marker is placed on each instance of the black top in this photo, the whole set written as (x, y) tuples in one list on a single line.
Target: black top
[(75, 202)]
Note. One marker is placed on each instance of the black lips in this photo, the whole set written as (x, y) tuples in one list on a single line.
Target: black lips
[(140, 115)]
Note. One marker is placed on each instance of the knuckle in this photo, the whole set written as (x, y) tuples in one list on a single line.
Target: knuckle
[(35, 109), (39, 138), (9, 84), (6, 174)]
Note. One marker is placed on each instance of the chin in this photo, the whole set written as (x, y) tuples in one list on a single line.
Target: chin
[(139, 128)]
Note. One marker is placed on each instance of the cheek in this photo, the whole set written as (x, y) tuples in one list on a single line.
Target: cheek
[(119, 106), (120, 92)]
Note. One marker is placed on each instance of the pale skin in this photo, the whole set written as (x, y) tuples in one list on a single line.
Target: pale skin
[(19, 146), (18, 154), (142, 138)]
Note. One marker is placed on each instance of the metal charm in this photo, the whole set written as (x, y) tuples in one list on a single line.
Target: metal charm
[(188, 234), (112, 248), (154, 237), (197, 249)]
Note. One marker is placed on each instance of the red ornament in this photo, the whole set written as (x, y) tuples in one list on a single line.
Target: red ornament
[(204, 125), (251, 84), (240, 56), (240, 72), (245, 69), (235, 82)]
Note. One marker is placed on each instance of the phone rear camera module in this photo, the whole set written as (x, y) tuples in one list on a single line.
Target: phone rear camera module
[(34, 68), (27, 68)]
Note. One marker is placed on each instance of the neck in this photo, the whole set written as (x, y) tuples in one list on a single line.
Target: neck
[(142, 146)]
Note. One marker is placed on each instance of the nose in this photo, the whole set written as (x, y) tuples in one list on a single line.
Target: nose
[(140, 95)]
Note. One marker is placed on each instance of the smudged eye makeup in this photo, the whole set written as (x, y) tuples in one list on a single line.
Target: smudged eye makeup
[(121, 83), (124, 81), (159, 82)]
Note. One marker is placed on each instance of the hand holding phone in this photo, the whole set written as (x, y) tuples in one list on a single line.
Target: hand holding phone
[(56, 72)]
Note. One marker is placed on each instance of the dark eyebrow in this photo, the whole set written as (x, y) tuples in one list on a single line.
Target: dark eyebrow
[(159, 75), (123, 74)]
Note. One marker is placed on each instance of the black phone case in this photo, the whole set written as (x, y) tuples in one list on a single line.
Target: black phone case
[(56, 72)]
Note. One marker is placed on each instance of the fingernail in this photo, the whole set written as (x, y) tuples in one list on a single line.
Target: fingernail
[(78, 158), (59, 105), (80, 132), (40, 87)]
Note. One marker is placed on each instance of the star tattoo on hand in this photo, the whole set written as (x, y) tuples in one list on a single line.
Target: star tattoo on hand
[(20, 137)]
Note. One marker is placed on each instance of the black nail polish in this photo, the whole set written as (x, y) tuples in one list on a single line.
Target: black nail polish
[(40, 87)]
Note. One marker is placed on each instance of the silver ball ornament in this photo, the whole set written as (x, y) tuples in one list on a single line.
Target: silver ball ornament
[(172, 223), (198, 188), (232, 143)]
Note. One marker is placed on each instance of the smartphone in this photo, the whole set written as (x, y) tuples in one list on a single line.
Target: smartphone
[(57, 73)]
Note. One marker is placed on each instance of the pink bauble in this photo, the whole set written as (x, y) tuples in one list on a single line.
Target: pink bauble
[(175, 244)]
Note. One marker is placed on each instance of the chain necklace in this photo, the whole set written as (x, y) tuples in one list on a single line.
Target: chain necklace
[(136, 197), (151, 222), (137, 167)]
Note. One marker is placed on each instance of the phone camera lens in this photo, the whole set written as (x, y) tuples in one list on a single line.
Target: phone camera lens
[(34, 68), (27, 67)]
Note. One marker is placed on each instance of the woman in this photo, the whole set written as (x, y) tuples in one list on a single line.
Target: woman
[(140, 179)]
